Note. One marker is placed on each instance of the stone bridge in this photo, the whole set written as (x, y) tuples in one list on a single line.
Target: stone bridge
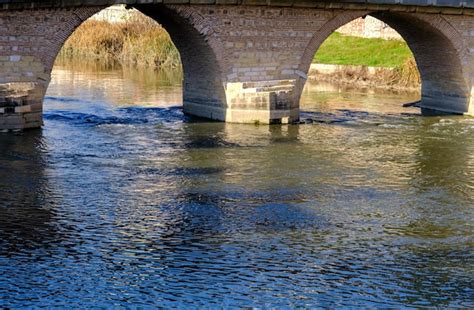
[(244, 60)]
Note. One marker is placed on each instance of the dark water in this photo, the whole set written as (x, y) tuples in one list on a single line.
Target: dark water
[(121, 200)]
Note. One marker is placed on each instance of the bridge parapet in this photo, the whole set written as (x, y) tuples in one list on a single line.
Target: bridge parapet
[(421, 6)]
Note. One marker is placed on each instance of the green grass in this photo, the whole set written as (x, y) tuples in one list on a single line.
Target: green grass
[(348, 50)]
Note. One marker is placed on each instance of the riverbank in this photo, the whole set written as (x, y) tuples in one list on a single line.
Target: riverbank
[(403, 78), (366, 63)]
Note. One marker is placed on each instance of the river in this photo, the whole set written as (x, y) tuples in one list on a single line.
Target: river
[(121, 199)]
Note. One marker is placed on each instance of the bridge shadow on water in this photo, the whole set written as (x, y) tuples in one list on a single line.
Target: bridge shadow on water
[(26, 209)]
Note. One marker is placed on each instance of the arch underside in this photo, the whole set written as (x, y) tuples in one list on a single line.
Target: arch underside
[(444, 85), (202, 82)]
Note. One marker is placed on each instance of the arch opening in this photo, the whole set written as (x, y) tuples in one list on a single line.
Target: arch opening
[(437, 52), (198, 70)]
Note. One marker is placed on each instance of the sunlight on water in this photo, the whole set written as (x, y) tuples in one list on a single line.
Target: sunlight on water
[(121, 199)]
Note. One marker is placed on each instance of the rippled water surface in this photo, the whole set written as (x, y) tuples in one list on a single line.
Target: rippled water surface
[(121, 200)]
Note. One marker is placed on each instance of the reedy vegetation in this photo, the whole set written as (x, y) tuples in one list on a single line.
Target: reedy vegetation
[(406, 74), (136, 42)]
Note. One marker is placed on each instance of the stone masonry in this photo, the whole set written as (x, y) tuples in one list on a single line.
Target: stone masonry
[(242, 63), (369, 27)]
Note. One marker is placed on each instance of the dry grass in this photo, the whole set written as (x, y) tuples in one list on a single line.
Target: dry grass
[(140, 42), (403, 77), (406, 75)]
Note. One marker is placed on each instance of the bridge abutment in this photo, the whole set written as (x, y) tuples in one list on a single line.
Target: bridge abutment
[(243, 64), (21, 106), (29, 43)]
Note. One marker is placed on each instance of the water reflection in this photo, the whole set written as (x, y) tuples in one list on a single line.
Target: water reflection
[(443, 158), (118, 202), (26, 214), (124, 87)]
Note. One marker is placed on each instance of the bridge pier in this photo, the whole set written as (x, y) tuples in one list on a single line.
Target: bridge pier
[(241, 63), (230, 73), (267, 102)]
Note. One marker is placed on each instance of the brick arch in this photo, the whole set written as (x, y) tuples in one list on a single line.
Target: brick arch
[(35, 37), (69, 21), (188, 31), (438, 49), (440, 53), (339, 19), (192, 35)]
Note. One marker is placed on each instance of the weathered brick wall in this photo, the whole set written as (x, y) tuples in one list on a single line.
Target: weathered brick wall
[(259, 52), (369, 27)]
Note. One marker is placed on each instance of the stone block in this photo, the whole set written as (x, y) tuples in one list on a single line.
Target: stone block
[(23, 109), (281, 2), (15, 58)]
